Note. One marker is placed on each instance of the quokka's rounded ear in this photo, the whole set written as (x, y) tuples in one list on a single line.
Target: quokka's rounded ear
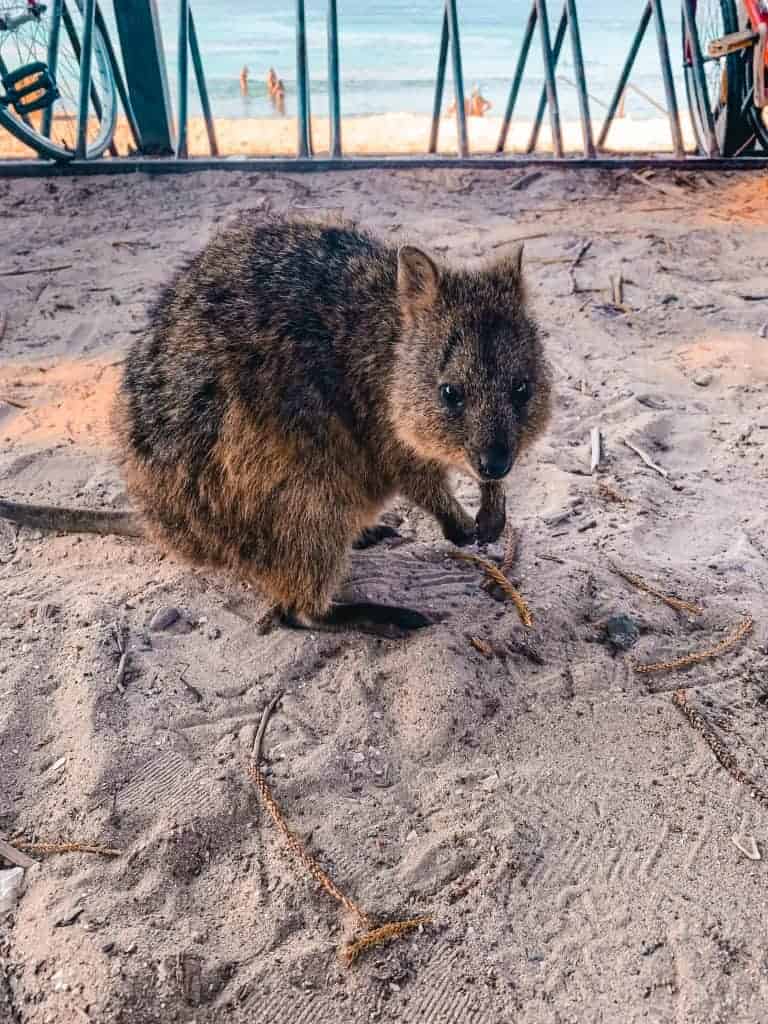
[(511, 263), (417, 276)]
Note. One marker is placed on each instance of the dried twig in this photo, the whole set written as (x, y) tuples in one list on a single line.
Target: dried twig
[(581, 254), (638, 581), (617, 290), (3, 324), (586, 246), (103, 851), (723, 755), (495, 574), (259, 738), (646, 459), (743, 628), (375, 934), (596, 446), (34, 270), (122, 668)]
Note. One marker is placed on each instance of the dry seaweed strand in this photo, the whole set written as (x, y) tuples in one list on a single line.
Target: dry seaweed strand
[(640, 583), (378, 936), (375, 935), (695, 657), (610, 493), (103, 851), (723, 755), (494, 573), (482, 646)]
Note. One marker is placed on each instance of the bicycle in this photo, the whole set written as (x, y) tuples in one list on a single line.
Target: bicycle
[(732, 35), (40, 48)]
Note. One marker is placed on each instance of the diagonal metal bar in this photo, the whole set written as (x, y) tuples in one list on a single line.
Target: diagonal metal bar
[(549, 78), (555, 53), (439, 84), (626, 71), (581, 78), (202, 87), (458, 78), (517, 79)]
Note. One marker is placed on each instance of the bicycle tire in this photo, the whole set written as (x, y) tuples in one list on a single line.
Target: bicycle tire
[(725, 81), (103, 99)]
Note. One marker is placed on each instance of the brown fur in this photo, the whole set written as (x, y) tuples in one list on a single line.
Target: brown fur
[(295, 382)]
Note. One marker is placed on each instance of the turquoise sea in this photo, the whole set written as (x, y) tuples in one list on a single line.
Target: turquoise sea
[(389, 53)]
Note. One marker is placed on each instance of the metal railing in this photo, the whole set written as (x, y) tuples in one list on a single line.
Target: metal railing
[(140, 80)]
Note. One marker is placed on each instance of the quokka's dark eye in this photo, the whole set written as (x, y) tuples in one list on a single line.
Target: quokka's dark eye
[(522, 392), (452, 397)]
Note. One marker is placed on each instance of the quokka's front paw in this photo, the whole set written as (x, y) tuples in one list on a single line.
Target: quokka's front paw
[(490, 525), (459, 533)]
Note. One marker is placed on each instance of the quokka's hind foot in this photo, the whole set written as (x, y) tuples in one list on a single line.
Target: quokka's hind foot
[(385, 620), (374, 535)]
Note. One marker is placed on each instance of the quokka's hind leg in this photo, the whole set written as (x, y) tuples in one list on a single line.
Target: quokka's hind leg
[(384, 620), (304, 565)]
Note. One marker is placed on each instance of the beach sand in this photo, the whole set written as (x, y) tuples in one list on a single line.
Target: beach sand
[(393, 134), (568, 830)]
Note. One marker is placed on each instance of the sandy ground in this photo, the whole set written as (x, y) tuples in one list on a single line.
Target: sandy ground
[(391, 134), (567, 828)]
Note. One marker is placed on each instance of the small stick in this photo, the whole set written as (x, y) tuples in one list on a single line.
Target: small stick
[(617, 290), (520, 238), (3, 324), (581, 254), (743, 628), (121, 670), (15, 856), (640, 583), (647, 459), (104, 851), (34, 270), (259, 739), (494, 573), (10, 401), (572, 269), (596, 443), (122, 667), (553, 558)]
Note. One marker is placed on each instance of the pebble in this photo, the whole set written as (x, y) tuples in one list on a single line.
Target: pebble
[(164, 618), (622, 632), (11, 883), (703, 380)]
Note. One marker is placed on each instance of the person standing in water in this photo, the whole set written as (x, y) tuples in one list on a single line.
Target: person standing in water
[(244, 82), (475, 106), (478, 104)]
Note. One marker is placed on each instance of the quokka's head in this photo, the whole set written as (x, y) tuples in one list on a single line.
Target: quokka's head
[(471, 386)]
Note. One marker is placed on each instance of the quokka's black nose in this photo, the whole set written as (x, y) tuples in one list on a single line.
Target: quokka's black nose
[(495, 462)]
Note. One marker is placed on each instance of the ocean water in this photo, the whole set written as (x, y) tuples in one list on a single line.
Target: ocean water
[(389, 51)]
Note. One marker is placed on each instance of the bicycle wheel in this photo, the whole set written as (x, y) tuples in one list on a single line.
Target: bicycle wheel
[(41, 46), (725, 80)]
